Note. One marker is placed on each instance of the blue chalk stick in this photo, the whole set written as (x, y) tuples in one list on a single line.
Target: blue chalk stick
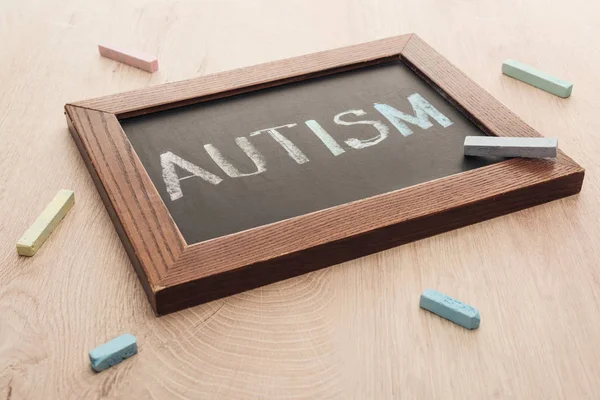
[(449, 308), (113, 352)]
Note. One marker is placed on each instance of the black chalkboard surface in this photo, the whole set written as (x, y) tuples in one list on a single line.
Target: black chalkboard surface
[(369, 131)]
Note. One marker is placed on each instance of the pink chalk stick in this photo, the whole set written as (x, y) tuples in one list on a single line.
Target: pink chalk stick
[(136, 59)]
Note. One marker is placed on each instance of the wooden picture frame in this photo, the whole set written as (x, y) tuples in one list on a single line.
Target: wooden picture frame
[(176, 275)]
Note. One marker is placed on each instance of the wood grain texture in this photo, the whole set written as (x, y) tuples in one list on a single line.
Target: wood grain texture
[(139, 215), (255, 257), (343, 233), (477, 104), (247, 79), (353, 331)]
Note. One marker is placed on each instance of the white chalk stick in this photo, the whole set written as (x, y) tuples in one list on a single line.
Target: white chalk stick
[(494, 146), (135, 59), (45, 223)]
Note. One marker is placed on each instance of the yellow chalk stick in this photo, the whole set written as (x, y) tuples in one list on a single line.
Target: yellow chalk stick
[(43, 226)]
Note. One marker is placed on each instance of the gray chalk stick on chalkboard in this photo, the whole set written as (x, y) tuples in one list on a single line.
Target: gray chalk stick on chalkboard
[(494, 146)]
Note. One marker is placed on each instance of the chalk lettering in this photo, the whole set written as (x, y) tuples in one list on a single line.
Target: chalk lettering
[(325, 137), (422, 109), (168, 161), (292, 150), (423, 112), (251, 151), (358, 143)]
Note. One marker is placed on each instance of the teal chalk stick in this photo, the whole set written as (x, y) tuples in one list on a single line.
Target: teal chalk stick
[(539, 79), (113, 352), (451, 309)]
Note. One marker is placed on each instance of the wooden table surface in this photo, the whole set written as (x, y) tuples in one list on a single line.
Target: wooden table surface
[(353, 331)]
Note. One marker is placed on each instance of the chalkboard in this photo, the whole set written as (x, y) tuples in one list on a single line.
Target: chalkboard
[(393, 130), (230, 181)]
